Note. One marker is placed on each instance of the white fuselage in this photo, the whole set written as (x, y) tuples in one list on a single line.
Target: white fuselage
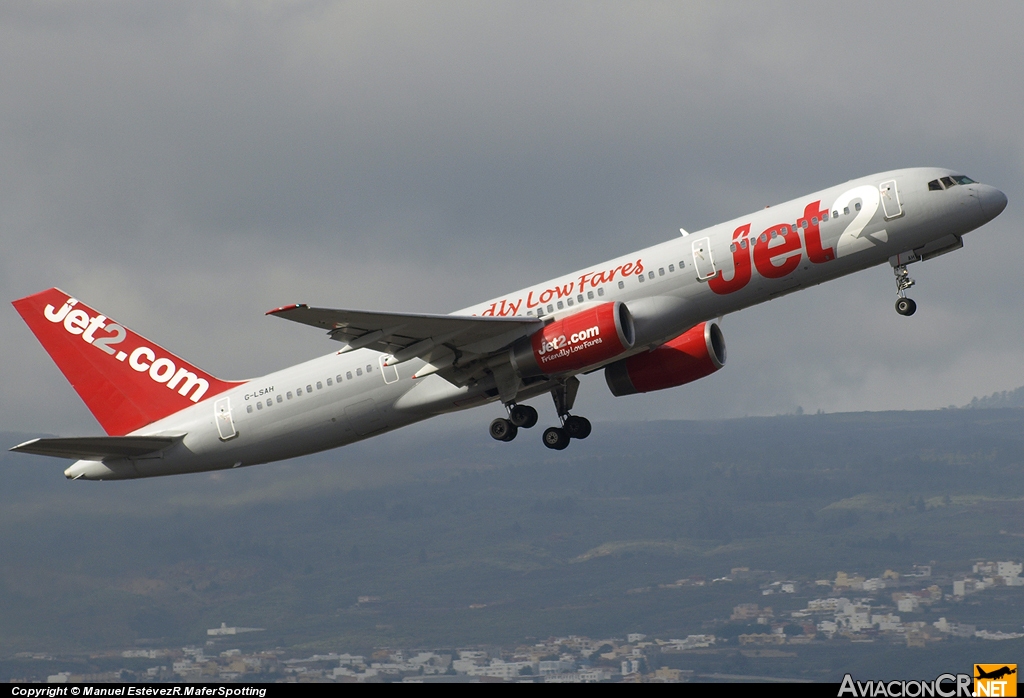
[(345, 397)]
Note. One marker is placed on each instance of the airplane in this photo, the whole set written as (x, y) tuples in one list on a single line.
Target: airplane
[(995, 674), (647, 319)]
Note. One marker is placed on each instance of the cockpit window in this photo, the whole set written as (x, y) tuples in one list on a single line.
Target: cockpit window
[(947, 182)]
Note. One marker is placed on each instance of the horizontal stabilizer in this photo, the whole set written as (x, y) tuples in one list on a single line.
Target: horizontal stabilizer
[(98, 447)]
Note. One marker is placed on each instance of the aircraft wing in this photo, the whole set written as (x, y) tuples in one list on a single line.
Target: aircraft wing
[(97, 447), (409, 335)]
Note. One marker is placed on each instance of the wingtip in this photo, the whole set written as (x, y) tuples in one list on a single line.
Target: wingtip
[(283, 308), (22, 445)]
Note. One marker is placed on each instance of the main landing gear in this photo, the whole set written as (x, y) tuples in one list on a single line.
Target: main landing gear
[(519, 416), (573, 426), (904, 305), (524, 416)]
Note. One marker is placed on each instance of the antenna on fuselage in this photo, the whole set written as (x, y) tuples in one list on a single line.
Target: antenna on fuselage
[(683, 232)]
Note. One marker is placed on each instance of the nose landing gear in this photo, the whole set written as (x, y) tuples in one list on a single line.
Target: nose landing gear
[(904, 306)]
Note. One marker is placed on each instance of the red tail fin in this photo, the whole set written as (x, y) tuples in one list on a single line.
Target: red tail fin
[(125, 380)]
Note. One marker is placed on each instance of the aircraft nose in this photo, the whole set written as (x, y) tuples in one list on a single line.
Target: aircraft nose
[(992, 200)]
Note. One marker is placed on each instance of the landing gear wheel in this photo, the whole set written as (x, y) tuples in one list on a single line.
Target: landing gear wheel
[(577, 427), (556, 438), (503, 430), (523, 416), (905, 306)]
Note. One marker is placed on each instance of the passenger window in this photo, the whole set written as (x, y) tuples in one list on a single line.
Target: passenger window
[(824, 216), (661, 271), (279, 399), (309, 388), (540, 312), (330, 382), (846, 211), (298, 391), (857, 206), (348, 374), (579, 298), (622, 284), (803, 224), (681, 265), (270, 402), (775, 234), (671, 268), (369, 368), (359, 371), (569, 301), (248, 408), (732, 247), (338, 378), (259, 405), (551, 308), (319, 385), (561, 305), (640, 278), (590, 295), (650, 274), (600, 291), (289, 395), (743, 244), (814, 220)]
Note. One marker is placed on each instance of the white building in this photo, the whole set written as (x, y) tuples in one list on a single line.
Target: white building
[(564, 665), (887, 622), (908, 604), (1008, 569)]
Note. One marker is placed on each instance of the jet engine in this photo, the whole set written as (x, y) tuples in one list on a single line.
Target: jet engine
[(575, 342), (698, 352)]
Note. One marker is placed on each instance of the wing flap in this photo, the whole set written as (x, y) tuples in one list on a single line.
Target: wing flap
[(98, 447)]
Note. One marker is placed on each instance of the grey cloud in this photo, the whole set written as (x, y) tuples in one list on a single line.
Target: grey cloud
[(186, 166)]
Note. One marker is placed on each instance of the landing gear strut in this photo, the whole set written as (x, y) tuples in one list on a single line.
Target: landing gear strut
[(573, 426), (904, 305)]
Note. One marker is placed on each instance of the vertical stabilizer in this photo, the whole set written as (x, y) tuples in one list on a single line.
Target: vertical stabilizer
[(125, 380)]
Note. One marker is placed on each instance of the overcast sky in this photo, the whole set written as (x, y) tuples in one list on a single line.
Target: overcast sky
[(185, 166)]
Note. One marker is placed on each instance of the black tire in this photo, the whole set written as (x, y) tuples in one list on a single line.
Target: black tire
[(503, 430), (523, 416), (556, 438), (577, 427), (906, 306)]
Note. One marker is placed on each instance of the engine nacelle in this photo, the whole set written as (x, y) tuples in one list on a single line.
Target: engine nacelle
[(575, 342), (698, 352)]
